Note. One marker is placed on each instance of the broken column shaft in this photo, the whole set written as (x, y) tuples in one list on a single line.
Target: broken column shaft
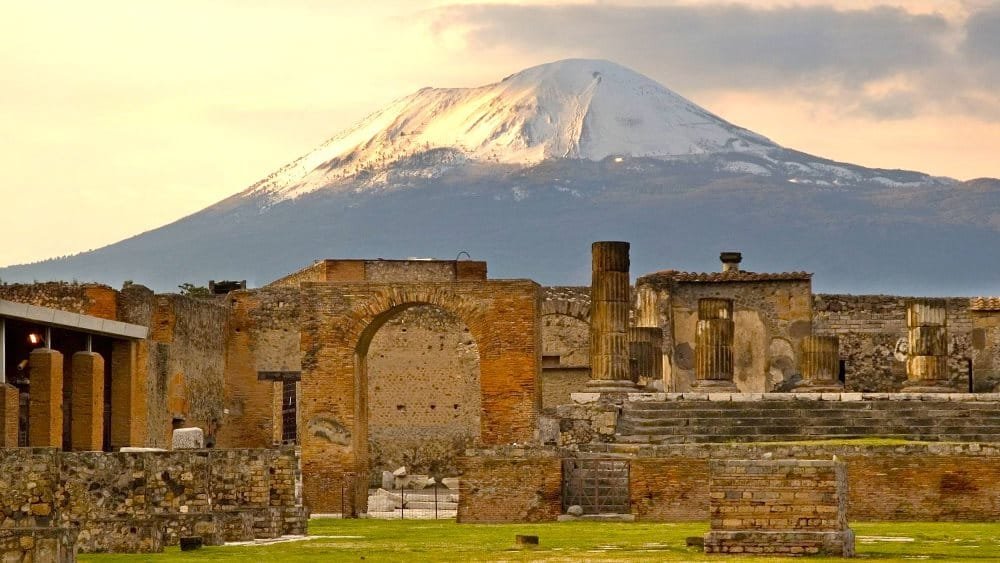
[(927, 351), (713, 350), (819, 362), (609, 295)]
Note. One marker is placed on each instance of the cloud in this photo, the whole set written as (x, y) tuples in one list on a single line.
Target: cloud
[(982, 39), (830, 55)]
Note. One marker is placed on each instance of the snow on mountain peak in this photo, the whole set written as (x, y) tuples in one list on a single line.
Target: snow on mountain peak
[(575, 108)]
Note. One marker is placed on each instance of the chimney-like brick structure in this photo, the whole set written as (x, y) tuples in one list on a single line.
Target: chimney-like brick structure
[(927, 352), (87, 426), (713, 346), (609, 293), (819, 362), (731, 261)]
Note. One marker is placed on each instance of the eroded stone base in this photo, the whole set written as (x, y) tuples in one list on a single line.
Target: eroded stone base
[(836, 544)]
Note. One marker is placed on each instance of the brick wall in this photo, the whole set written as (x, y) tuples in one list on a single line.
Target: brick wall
[(915, 482), (510, 485), (785, 506), (423, 387), (339, 322), (263, 336)]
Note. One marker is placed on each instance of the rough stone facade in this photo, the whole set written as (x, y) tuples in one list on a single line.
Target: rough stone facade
[(771, 314), (872, 331), (139, 502)]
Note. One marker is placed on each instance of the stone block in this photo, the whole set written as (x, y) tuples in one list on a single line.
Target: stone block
[(720, 397), (188, 439)]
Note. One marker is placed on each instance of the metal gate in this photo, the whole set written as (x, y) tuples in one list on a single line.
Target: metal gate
[(599, 486)]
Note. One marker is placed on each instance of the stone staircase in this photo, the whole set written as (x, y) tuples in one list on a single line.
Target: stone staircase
[(704, 421)]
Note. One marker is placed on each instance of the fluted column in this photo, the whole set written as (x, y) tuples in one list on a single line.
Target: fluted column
[(713, 346), (927, 353), (819, 362), (646, 354), (609, 308)]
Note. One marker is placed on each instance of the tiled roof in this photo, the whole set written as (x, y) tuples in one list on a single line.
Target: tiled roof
[(715, 277), (984, 303)]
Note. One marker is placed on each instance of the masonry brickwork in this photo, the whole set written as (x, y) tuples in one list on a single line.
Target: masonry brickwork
[(510, 485), (340, 321), (424, 392), (782, 507)]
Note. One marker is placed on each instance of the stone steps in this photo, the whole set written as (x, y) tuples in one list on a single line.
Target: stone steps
[(699, 421)]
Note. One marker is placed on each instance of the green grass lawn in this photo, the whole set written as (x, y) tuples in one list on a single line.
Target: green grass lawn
[(428, 540)]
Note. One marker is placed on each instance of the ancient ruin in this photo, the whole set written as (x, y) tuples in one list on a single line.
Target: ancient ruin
[(515, 402)]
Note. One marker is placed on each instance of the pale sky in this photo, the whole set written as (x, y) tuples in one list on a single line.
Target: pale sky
[(117, 117)]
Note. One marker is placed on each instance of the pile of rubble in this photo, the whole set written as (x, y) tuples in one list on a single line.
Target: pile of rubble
[(413, 496)]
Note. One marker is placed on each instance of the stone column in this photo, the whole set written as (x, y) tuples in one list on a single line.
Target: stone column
[(713, 346), (927, 353), (87, 414), (45, 407), (10, 410), (609, 295), (819, 362), (646, 355)]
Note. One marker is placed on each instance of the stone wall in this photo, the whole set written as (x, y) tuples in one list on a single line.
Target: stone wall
[(181, 365), (48, 545), (872, 331), (85, 299), (904, 482), (129, 502), (510, 485), (559, 383)]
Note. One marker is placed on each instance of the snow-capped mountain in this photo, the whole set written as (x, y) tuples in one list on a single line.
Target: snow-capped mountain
[(579, 109), (526, 172)]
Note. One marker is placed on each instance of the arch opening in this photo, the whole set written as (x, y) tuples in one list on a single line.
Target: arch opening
[(419, 394)]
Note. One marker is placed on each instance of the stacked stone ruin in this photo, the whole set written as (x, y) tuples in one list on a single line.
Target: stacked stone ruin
[(927, 350), (820, 365)]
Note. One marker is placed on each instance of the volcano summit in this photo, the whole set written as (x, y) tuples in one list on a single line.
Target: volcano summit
[(526, 172)]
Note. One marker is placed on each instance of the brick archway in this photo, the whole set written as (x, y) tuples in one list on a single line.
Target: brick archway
[(340, 320)]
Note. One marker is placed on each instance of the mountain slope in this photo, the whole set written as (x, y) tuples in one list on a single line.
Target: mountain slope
[(525, 173)]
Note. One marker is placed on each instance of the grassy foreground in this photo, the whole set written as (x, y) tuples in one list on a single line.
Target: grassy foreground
[(413, 540)]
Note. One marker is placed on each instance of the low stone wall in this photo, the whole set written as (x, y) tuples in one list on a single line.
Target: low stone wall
[(141, 501), (904, 482), (510, 485), (30, 545), (788, 506)]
